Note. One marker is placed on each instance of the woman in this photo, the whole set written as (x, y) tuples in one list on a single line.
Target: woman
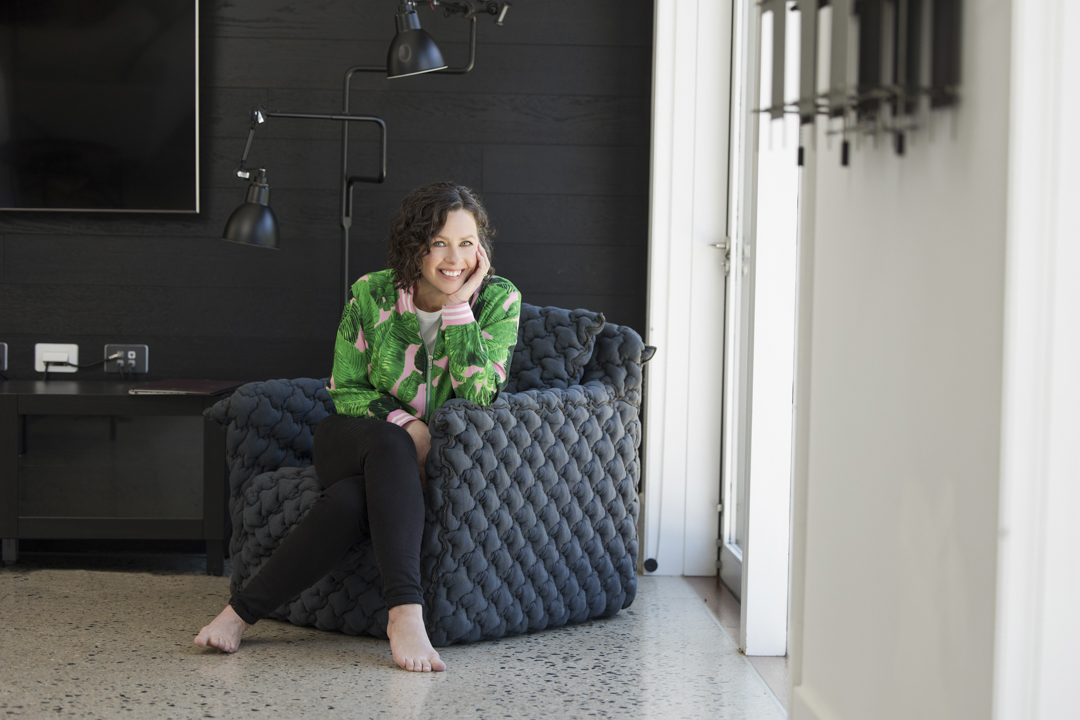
[(431, 327)]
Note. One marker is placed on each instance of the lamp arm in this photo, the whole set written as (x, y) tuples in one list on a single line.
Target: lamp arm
[(320, 116), (346, 211), (241, 169), (472, 53), (382, 159)]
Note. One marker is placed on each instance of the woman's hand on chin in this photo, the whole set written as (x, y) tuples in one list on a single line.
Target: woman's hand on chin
[(465, 293)]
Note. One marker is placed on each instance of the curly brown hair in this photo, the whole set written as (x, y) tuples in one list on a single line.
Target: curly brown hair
[(420, 218)]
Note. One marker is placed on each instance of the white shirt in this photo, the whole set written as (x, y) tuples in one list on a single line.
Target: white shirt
[(429, 328)]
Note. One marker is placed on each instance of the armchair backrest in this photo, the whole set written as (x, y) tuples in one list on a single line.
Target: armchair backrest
[(617, 358), (558, 348), (552, 348)]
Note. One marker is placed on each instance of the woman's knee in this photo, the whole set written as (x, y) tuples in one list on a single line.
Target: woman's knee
[(339, 440), (393, 439), (345, 439)]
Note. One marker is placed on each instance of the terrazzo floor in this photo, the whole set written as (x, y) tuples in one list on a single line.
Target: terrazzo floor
[(114, 639)]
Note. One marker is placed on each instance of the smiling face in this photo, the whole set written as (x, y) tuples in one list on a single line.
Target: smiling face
[(450, 261)]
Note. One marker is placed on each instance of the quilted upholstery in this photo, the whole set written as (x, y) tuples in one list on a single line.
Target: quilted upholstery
[(553, 347), (531, 505)]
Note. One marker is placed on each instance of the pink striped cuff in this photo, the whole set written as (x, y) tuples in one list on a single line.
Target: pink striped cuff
[(460, 314), (399, 418)]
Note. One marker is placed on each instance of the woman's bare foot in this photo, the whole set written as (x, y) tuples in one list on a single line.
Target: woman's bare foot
[(409, 641), (223, 632)]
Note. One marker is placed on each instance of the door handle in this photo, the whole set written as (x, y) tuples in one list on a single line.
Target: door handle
[(726, 245)]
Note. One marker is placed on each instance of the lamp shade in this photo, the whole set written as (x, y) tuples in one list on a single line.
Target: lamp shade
[(254, 222), (412, 51)]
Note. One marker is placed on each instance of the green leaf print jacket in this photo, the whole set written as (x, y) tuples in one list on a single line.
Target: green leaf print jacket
[(381, 365)]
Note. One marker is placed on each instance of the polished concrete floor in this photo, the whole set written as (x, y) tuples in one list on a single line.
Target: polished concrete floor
[(105, 638), (773, 670)]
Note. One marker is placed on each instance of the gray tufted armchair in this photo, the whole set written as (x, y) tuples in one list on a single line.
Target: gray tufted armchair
[(531, 501)]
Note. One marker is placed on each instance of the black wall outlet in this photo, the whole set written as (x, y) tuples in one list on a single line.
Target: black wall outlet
[(132, 358)]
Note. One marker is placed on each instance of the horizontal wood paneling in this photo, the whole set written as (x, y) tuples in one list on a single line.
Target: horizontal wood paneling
[(168, 262), (578, 219), (599, 269), (302, 313), (316, 164), (625, 22), (551, 128), (580, 170), (514, 69), (455, 117)]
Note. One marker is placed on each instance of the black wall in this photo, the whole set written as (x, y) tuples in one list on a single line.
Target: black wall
[(552, 128)]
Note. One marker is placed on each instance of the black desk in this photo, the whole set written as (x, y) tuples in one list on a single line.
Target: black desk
[(23, 401)]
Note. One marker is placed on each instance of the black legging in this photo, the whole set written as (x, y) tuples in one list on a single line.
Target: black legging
[(371, 478)]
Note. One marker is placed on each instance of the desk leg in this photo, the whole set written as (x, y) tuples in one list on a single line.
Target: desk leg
[(9, 476), (215, 500), (215, 557), (11, 550)]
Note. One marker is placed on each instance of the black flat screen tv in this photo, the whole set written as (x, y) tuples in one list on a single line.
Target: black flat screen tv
[(99, 107)]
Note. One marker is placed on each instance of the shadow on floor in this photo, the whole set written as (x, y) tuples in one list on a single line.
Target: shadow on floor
[(132, 562)]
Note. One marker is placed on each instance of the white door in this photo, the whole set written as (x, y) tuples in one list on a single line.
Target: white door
[(688, 226), (759, 357)]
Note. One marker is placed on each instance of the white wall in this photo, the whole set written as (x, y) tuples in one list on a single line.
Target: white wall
[(898, 460)]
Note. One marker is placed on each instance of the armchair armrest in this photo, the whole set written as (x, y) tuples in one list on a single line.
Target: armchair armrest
[(531, 511), (270, 425)]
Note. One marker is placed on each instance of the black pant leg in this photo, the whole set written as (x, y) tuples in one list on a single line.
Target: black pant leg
[(334, 524), (372, 482), (386, 457)]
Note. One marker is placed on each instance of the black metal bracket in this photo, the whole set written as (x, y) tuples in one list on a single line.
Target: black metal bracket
[(348, 180), (259, 116)]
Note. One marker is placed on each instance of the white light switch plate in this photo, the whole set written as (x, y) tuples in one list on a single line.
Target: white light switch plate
[(55, 351)]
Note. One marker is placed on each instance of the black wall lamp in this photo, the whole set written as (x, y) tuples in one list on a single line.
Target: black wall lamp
[(412, 52)]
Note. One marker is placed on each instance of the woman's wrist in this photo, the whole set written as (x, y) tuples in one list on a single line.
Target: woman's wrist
[(400, 418)]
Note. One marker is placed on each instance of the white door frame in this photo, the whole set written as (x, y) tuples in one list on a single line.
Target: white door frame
[(1037, 627), (688, 216), (774, 239), (738, 357)]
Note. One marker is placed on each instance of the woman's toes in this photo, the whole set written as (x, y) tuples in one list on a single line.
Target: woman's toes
[(224, 632)]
